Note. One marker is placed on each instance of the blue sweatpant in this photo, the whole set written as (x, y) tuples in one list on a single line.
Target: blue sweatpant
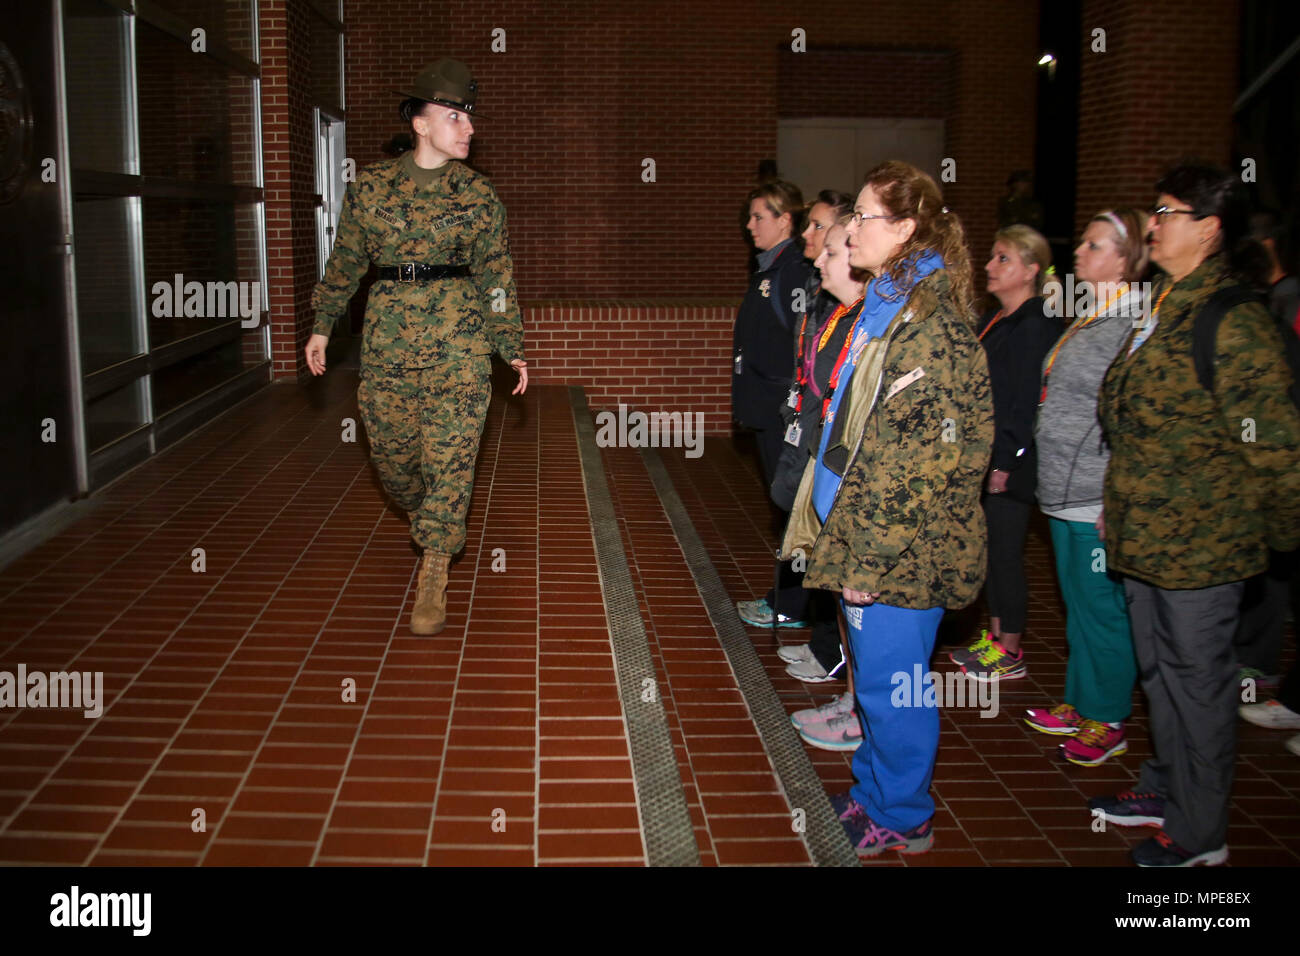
[(895, 761)]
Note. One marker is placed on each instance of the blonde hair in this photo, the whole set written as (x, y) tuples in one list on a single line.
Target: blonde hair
[(908, 193), (1031, 247), (1130, 231)]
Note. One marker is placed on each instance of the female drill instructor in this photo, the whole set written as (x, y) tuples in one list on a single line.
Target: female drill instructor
[(444, 301)]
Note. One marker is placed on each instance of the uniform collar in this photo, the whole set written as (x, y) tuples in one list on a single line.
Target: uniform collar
[(768, 259)]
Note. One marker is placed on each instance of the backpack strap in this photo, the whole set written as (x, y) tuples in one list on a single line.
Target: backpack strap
[(1205, 330)]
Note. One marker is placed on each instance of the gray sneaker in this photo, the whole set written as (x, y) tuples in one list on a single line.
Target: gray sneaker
[(839, 733), (836, 707), (809, 671), (794, 653), (759, 614)]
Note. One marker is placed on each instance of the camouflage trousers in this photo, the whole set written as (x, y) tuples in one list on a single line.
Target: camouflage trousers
[(424, 426)]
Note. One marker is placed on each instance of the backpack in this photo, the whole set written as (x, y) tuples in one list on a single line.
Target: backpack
[(1206, 329)]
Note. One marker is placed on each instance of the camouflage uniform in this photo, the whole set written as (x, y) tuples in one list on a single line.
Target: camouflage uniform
[(907, 522), (1188, 502), (425, 356)]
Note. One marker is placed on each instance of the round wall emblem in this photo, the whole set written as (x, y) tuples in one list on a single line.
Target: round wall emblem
[(15, 128)]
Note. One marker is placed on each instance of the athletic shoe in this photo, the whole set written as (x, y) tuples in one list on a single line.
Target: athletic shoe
[(878, 839), (759, 614), (1160, 850), (836, 707), (852, 816), (1061, 719), (996, 663), (964, 655), (1272, 714), (840, 734), (794, 653), (1130, 809), (1262, 681), (810, 672), (1293, 744), (1094, 744)]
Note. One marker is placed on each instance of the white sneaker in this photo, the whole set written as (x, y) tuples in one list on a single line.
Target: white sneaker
[(809, 671), (1293, 744), (836, 707), (794, 653), (1274, 715)]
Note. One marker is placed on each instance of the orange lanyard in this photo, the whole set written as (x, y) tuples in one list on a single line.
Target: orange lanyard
[(1070, 333), (838, 314), (996, 319)]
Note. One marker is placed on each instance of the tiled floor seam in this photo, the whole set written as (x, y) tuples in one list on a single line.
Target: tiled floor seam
[(667, 829), (823, 836)]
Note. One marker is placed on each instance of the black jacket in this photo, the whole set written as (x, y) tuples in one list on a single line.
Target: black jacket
[(1016, 347), (763, 341)]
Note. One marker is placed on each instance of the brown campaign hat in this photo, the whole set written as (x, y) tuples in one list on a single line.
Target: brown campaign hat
[(447, 83)]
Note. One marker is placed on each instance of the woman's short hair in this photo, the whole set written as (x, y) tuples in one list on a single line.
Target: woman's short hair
[(1031, 247), (908, 193), (1210, 192), (1130, 226), (782, 197)]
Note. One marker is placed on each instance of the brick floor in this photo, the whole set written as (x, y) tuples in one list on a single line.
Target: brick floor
[(266, 705)]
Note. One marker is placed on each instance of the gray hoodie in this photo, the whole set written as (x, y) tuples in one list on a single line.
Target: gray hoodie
[(1071, 455)]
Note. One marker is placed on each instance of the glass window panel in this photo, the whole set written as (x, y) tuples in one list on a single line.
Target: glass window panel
[(196, 117), (95, 58), (326, 81), (228, 21), (107, 298), (176, 384), (211, 243), (115, 414)]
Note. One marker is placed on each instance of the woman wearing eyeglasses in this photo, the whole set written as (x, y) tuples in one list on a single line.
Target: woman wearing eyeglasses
[(1201, 482), (888, 510), (1104, 302)]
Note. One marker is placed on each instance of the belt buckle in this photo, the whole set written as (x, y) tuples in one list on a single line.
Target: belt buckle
[(406, 272)]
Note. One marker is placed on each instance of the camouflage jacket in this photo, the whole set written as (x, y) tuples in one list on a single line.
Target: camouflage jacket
[(456, 220), (1199, 484), (906, 522)]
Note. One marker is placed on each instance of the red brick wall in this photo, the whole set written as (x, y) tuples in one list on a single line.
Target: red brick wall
[(288, 161), (1163, 90)]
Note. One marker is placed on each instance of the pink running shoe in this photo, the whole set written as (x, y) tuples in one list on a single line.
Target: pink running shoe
[(1062, 720), (1094, 744)]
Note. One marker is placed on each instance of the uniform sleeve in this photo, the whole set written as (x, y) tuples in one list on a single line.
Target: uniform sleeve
[(1251, 383), (1036, 336), (348, 263), (494, 273)]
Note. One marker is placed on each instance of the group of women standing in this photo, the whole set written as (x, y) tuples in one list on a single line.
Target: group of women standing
[(921, 440)]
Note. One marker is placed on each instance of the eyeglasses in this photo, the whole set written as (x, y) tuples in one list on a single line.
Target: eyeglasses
[(858, 218), (1162, 213)]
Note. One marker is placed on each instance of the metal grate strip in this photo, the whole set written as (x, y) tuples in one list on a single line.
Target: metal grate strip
[(665, 820), (827, 843)]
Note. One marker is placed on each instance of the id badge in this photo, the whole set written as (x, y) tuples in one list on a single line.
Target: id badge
[(792, 400), (793, 433), (738, 363)]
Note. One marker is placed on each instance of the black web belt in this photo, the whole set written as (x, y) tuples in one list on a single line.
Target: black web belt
[(419, 271)]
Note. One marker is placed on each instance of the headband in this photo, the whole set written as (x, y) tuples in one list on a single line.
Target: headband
[(1118, 223)]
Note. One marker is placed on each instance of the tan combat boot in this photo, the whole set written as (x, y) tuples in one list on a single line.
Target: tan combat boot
[(429, 616)]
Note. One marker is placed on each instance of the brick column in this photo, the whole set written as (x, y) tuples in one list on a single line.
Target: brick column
[(1162, 91)]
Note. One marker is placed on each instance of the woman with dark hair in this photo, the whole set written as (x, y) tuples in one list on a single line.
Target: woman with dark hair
[(1201, 481), (1099, 678), (763, 346), (888, 510), (1016, 337)]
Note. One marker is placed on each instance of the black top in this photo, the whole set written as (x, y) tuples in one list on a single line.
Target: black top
[(1016, 346), (763, 341)]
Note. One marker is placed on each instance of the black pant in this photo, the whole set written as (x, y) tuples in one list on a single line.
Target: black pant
[(823, 613), (1006, 589), (1258, 641)]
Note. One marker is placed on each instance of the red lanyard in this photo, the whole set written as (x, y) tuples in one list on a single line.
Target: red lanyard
[(996, 319)]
